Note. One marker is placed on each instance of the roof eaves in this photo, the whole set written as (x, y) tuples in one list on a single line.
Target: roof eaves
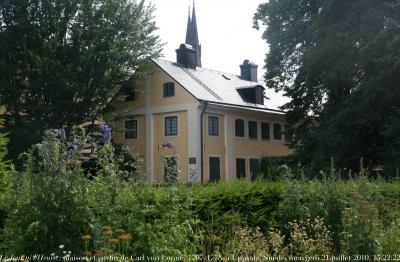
[(249, 107)]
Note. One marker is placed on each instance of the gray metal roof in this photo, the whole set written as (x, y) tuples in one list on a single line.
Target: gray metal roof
[(212, 86)]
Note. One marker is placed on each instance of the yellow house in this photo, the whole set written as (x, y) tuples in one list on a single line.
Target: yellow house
[(217, 123)]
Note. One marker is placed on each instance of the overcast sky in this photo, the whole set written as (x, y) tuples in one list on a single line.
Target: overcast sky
[(226, 33)]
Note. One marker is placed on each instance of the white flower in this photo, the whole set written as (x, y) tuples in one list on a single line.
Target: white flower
[(61, 246)]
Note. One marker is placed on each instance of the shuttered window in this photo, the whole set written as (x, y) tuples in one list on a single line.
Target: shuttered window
[(277, 132), (254, 168), (240, 167), (214, 169), (253, 129), (239, 127), (265, 131)]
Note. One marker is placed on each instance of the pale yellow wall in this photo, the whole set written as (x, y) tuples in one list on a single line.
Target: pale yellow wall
[(158, 79), (136, 145), (214, 146), (257, 148), (155, 83), (180, 142)]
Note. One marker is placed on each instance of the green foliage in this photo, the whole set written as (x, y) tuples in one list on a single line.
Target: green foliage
[(389, 239), (361, 227), (170, 161), (129, 163), (54, 203), (222, 206), (5, 180), (338, 62), (48, 205), (4, 171), (159, 219), (62, 61), (274, 168)]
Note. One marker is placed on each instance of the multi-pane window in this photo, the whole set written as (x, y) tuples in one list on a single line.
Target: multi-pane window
[(253, 129), (254, 168), (169, 89), (277, 132), (131, 129), (213, 126), (171, 126), (239, 127), (240, 167), (265, 131)]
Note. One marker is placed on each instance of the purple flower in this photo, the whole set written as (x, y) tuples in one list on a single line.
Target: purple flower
[(167, 145), (105, 130), (170, 146)]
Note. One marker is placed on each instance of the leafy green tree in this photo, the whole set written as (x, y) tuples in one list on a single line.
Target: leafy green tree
[(5, 179), (338, 61), (62, 61)]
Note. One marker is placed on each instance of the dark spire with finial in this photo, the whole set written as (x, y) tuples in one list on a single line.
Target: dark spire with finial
[(192, 37)]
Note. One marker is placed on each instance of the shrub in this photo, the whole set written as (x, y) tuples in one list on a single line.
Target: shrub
[(309, 238), (221, 206), (361, 226), (388, 240), (306, 238), (246, 242), (5, 181), (276, 168), (48, 206)]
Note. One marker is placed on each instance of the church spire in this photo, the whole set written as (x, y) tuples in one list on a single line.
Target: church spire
[(192, 37), (188, 26)]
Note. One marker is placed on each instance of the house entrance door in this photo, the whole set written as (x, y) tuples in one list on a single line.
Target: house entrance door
[(214, 169)]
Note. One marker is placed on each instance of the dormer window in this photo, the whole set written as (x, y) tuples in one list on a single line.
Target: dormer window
[(169, 89), (252, 94)]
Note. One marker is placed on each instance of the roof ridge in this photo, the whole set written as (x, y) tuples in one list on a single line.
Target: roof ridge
[(222, 72)]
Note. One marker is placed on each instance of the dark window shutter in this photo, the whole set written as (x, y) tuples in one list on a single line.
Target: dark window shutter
[(254, 168), (253, 129), (239, 127), (240, 167), (214, 169), (265, 131), (277, 132)]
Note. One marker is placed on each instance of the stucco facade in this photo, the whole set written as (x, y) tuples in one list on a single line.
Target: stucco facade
[(141, 126)]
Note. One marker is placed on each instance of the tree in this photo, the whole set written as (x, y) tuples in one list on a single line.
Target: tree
[(338, 61), (62, 61)]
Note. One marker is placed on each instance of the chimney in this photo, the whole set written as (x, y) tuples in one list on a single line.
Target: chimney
[(248, 71), (186, 56)]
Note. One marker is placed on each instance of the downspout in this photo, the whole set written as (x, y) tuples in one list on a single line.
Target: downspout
[(202, 139)]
